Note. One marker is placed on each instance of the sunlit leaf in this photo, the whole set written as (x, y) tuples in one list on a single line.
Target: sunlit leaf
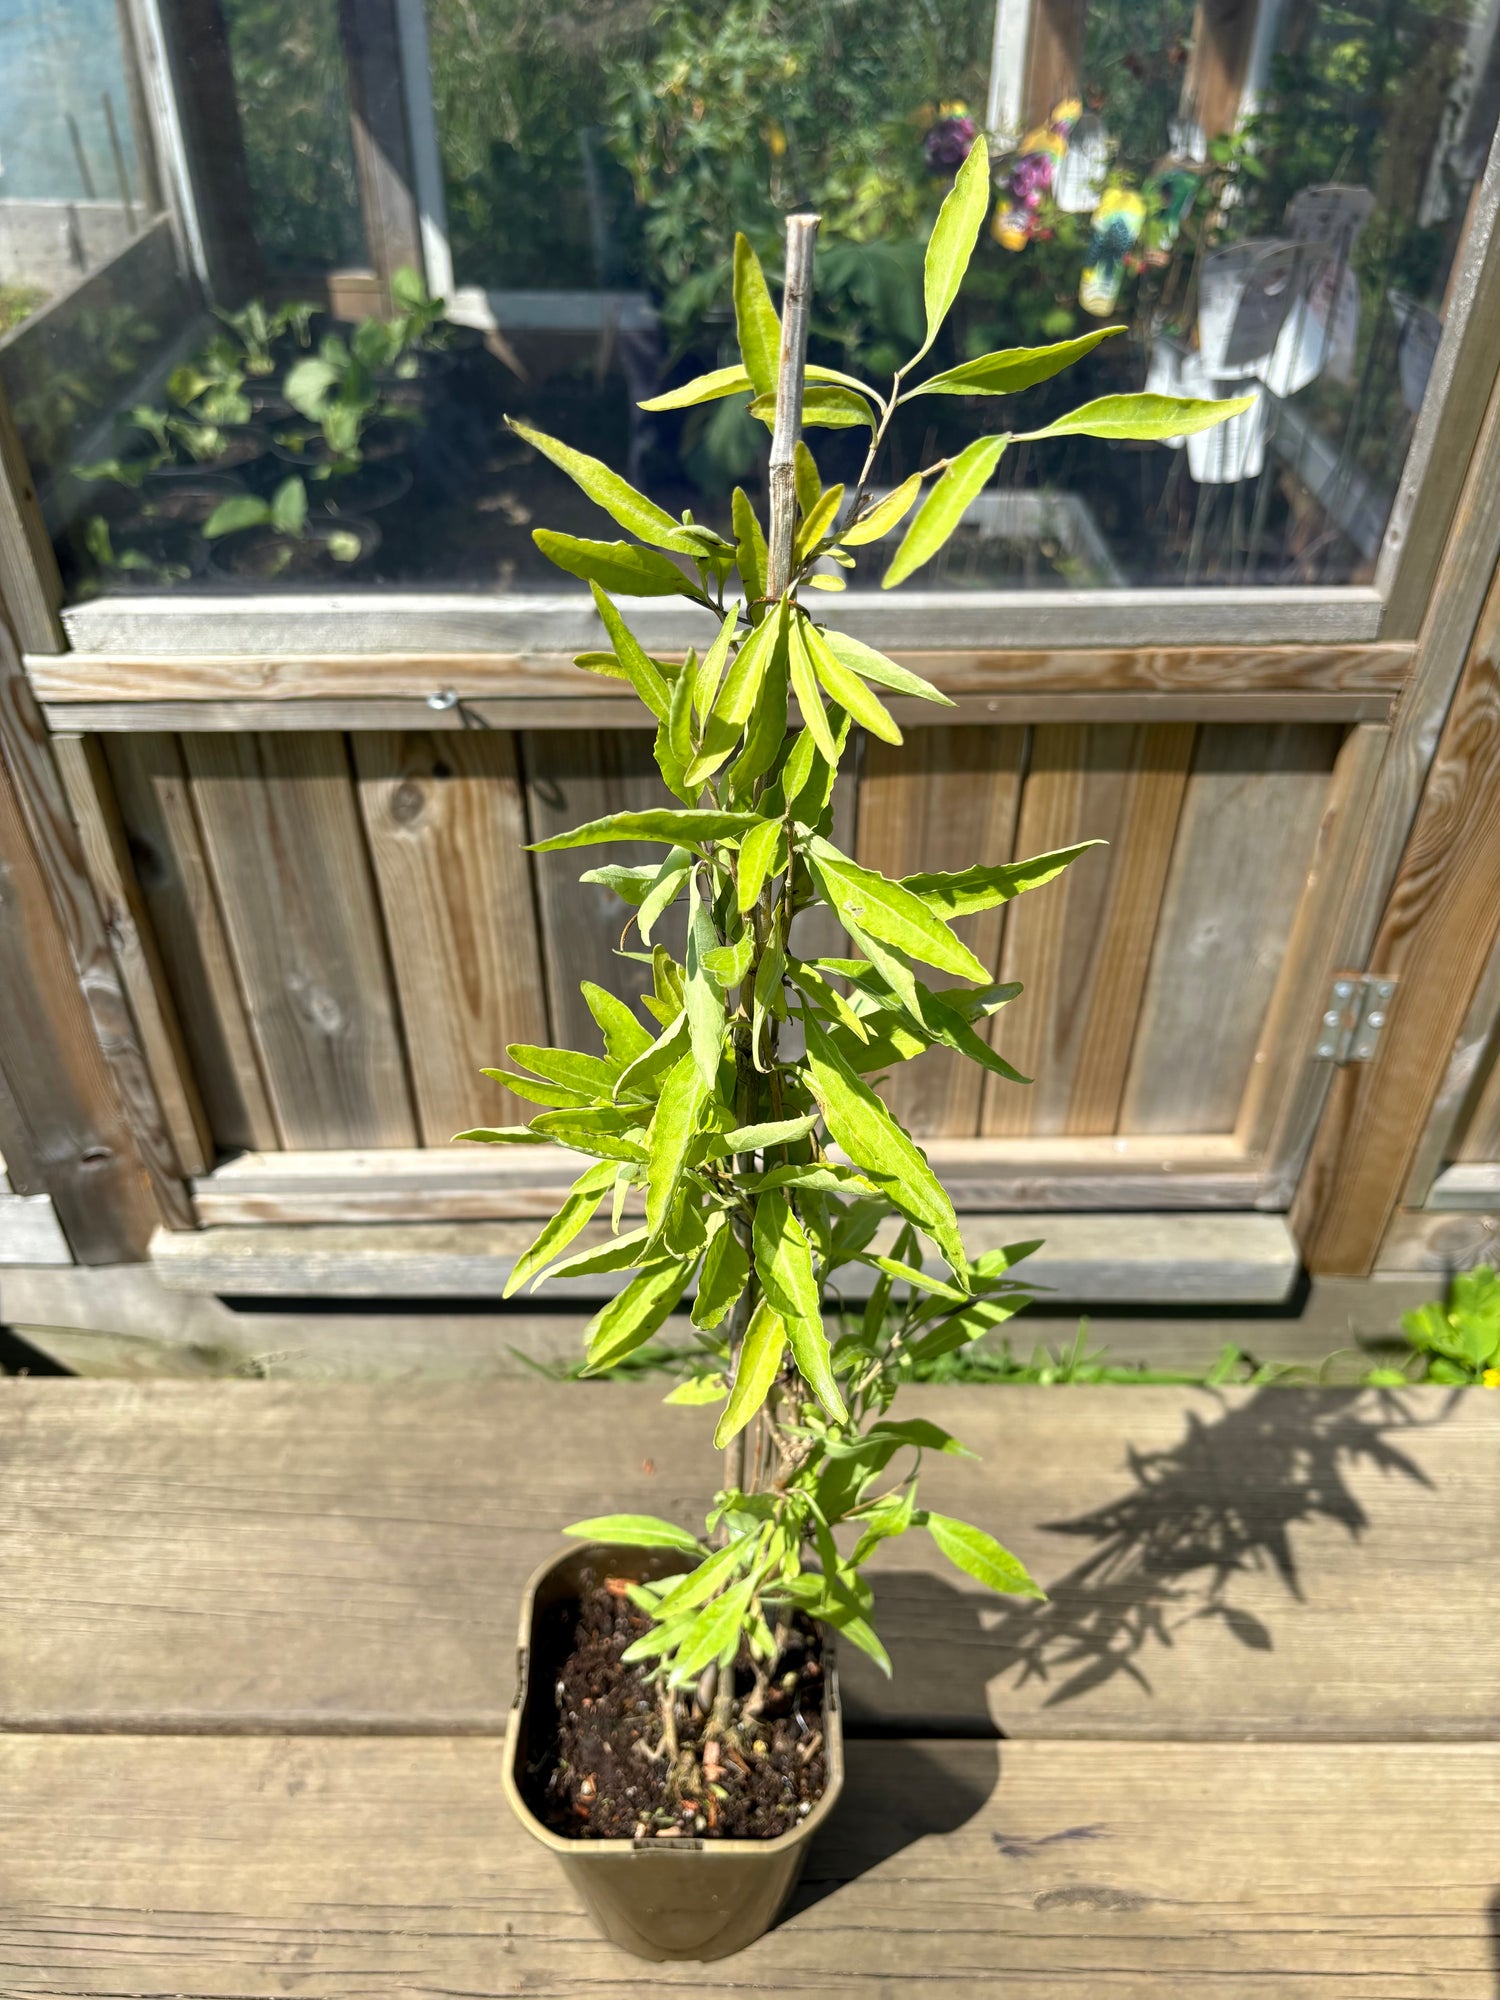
[(760, 1360), (755, 319), (619, 499), (1143, 417), (954, 235), (687, 828), (893, 913), (784, 1265), (945, 506), (622, 567), (636, 1531), (979, 1555), (1012, 369), (883, 516)]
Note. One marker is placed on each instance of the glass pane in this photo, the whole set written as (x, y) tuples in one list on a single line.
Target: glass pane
[(1268, 198)]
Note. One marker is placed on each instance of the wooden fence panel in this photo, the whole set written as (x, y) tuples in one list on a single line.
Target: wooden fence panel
[(446, 821), (1249, 821), (282, 832), (1479, 1123), (572, 776), (1083, 945), (946, 799)]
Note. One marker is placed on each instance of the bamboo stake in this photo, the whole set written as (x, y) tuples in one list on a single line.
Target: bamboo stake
[(796, 306)]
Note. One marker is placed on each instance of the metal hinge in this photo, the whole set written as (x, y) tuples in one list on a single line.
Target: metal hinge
[(1353, 1018)]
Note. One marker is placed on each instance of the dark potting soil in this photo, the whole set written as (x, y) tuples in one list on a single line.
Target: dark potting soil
[(599, 1779)]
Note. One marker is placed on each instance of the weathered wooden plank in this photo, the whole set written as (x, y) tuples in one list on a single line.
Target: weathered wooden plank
[(30, 587), (85, 777), (30, 1232), (1439, 928), (474, 1183), (1254, 801), (282, 833), (590, 712), (1439, 1242), (152, 789), (446, 822), (297, 677), (945, 800), (1480, 1138), (1284, 1093), (1087, 1259), (1082, 945), (389, 1868), (571, 778), (1467, 1184), (1470, 1068), (1282, 1563), (66, 1009)]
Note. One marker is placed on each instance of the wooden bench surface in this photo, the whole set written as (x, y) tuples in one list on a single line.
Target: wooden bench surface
[(257, 1644), (1228, 1563), (335, 1868)]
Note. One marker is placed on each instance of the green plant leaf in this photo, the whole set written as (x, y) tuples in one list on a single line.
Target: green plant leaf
[(697, 1390), (501, 1135), (590, 1075), (683, 1096), (760, 1361), (1142, 417), (619, 499), (920, 1433), (583, 1132), (558, 1096), (838, 1606), (889, 912), (636, 1531), (709, 388), (979, 1555), (623, 567), (554, 1237), (818, 520), (620, 1253), (289, 507), (230, 516), (945, 506), (972, 889), (872, 1139), (750, 553), (736, 698), (863, 659), (1013, 369), (755, 319), (625, 1038), (780, 1132), (758, 852), (665, 889), (890, 1516), (825, 406), (702, 995), (805, 687), (954, 235), (883, 516), (640, 669), (712, 1633), (634, 1315), (730, 962), (726, 1267), (806, 478), (705, 682), (783, 1263), (687, 828), (847, 690)]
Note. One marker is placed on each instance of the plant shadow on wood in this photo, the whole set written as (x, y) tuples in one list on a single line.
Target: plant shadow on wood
[(1221, 1504)]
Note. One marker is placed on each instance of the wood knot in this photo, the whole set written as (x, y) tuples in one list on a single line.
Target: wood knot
[(408, 801)]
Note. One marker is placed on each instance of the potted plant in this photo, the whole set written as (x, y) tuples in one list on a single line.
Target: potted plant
[(276, 538), (676, 1738)]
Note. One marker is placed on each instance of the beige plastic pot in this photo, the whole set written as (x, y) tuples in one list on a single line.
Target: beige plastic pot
[(657, 1899)]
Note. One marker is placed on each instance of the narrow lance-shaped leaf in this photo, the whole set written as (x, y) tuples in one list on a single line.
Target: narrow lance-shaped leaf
[(636, 1531), (755, 319), (555, 1235), (705, 682), (749, 548), (726, 1269), (623, 567), (639, 667), (758, 853), (625, 1037), (1013, 369), (883, 516), (864, 660), (847, 690), (636, 1314), (721, 382), (737, 694), (1144, 417), (954, 235), (825, 406), (891, 912), (873, 1140), (670, 880), (807, 478), (783, 1263), (617, 496), (805, 687), (979, 1555), (945, 506), (672, 1131), (760, 1360), (970, 889), (688, 828), (703, 997)]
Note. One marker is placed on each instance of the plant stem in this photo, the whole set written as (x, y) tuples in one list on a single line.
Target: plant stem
[(796, 304)]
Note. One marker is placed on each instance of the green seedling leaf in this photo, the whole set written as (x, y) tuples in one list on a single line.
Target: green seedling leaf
[(760, 1361), (879, 520), (890, 912), (805, 687), (730, 962), (876, 667), (783, 1263), (1013, 369), (289, 507), (954, 235), (1143, 417), (697, 1390), (760, 851), (636, 1314), (640, 670), (945, 506), (636, 1531), (846, 689), (591, 1076), (230, 517), (702, 995), (756, 1138), (712, 1633), (807, 478), (625, 1038), (502, 1135), (750, 552), (726, 1267), (709, 388), (583, 1200), (683, 1095), (824, 407), (972, 889), (755, 320)]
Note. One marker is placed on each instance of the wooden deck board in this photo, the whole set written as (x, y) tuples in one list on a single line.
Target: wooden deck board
[(266, 1556), (244, 1869)]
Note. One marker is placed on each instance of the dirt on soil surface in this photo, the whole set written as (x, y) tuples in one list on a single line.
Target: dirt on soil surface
[(604, 1775)]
